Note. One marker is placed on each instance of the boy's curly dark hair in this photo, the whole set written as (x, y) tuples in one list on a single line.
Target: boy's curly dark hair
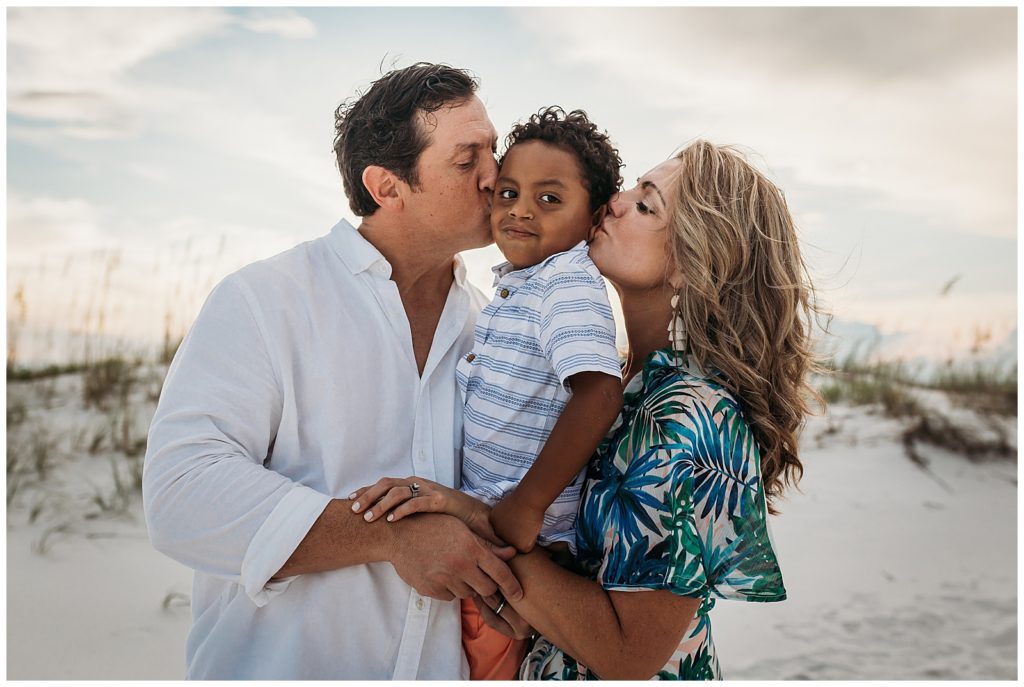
[(576, 134)]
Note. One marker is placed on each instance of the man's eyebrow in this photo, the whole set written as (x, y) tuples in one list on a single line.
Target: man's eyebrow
[(650, 184), (463, 147)]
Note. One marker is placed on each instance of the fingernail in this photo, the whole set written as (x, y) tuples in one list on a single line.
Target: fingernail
[(391, 517), (355, 507), (352, 495), (369, 514)]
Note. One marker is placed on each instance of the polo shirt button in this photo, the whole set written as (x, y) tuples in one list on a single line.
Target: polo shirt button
[(419, 604), (504, 293), (471, 357)]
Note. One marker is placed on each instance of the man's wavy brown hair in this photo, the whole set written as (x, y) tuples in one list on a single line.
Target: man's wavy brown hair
[(747, 303)]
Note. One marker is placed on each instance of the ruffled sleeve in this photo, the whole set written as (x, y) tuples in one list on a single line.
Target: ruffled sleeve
[(689, 512)]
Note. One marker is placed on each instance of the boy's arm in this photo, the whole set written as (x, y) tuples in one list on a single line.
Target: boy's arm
[(595, 403)]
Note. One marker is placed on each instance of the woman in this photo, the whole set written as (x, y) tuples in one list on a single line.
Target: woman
[(673, 514)]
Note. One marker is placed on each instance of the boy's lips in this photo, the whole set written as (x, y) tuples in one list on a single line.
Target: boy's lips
[(515, 231)]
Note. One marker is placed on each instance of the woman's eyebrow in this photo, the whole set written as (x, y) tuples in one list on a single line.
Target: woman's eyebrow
[(650, 184)]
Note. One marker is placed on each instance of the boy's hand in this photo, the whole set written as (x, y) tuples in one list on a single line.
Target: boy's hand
[(516, 523), (397, 498)]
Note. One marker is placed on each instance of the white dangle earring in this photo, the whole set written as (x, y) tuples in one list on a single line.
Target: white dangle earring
[(676, 333)]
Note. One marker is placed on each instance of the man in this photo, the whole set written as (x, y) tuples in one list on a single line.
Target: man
[(318, 371)]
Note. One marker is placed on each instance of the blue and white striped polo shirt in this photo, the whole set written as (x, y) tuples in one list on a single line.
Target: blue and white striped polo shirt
[(546, 323)]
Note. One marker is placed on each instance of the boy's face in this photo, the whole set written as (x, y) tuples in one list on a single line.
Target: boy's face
[(541, 206)]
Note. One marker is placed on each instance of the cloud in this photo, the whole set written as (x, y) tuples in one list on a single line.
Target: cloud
[(284, 23), (36, 224), (71, 66), (916, 103)]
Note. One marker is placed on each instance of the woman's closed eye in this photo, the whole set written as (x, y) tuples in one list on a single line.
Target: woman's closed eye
[(644, 208)]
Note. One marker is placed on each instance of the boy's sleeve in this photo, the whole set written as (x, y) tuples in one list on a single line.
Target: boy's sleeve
[(577, 331)]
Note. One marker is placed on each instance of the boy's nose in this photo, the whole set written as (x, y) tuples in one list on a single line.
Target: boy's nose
[(520, 211)]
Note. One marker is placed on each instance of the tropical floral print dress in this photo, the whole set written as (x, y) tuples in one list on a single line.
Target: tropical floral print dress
[(673, 500)]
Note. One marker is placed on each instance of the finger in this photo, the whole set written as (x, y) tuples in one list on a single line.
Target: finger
[(429, 503), (373, 493), (357, 493), (481, 584), (394, 497), (502, 575), (460, 589), (505, 553), (440, 594), (494, 620)]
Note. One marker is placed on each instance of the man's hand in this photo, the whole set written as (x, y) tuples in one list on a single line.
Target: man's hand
[(516, 522), (438, 556), (508, 623)]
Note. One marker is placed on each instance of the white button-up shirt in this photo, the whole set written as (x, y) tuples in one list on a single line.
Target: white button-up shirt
[(297, 384)]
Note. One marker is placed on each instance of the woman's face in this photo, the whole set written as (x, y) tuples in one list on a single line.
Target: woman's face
[(630, 246)]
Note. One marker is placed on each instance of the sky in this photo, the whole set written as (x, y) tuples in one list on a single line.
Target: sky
[(152, 151)]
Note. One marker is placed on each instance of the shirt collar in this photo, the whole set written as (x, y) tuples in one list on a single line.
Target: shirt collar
[(355, 251), (506, 268), (359, 255)]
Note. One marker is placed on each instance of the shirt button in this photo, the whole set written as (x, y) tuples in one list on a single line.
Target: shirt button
[(471, 357), (504, 293), (419, 604)]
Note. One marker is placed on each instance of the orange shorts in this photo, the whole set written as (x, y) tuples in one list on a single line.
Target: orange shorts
[(491, 655)]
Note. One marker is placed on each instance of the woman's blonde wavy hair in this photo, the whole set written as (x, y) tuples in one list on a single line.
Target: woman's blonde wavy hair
[(746, 305)]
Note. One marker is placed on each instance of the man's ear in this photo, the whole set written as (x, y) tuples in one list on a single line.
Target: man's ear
[(383, 185)]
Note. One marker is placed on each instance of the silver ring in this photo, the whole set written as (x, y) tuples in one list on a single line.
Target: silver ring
[(501, 606), (415, 489)]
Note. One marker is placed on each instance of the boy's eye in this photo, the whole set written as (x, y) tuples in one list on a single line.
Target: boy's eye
[(506, 194), (550, 198)]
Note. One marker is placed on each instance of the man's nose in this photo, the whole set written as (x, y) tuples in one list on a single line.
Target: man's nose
[(490, 175)]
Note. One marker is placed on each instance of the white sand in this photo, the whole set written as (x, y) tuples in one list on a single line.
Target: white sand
[(892, 572)]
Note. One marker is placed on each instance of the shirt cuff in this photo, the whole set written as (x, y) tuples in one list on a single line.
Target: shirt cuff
[(276, 540)]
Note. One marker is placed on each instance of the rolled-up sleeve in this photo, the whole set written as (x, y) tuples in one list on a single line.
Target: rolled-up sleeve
[(210, 502)]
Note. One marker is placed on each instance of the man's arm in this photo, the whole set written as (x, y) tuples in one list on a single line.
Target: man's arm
[(212, 505), (435, 554)]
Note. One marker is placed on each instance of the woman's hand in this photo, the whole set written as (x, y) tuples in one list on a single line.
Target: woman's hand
[(394, 498), (398, 498), (508, 622)]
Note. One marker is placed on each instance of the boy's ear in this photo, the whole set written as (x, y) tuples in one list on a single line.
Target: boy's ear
[(598, 215), (383, 185)]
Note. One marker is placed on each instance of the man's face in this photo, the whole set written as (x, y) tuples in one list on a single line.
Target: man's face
[(456, 176)]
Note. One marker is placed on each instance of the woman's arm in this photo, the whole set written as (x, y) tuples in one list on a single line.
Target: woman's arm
[(617, 635)]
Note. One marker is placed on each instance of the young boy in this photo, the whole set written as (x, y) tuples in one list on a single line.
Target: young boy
[(542, 385)]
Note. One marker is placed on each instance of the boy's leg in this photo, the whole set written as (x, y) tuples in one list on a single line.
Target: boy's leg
[(491, 655)]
